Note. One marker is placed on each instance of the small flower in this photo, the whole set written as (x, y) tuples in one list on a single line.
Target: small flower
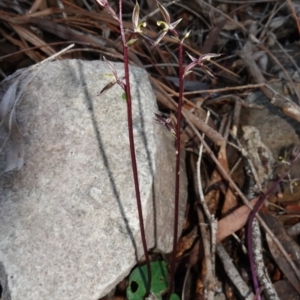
[(200, 62), (167, 25), (117, 80), (137, 31), (165, 122), (135, 20)]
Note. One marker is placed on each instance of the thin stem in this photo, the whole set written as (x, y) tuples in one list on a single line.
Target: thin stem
[(177, 174), (132, 147), (250, 222)]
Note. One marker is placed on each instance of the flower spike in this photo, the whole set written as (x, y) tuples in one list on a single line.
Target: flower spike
[(116, 80)]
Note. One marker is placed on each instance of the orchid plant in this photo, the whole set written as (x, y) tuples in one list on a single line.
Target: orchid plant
[(136, 32)]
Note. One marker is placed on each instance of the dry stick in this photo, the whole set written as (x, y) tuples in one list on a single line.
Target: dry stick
[(226, 89), (39, 47), (236, 114), (132, 146), (200, 188), (262, 274), (214, 230), (233, 274), (230, 200), (209, 280), (233, 98), (266, 26), (185, 282), (50, 58), (246, 155)]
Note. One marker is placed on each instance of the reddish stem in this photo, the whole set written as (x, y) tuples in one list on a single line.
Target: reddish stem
[(177, 174), (132, 147)]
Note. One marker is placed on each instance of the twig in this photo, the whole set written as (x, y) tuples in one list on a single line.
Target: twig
[(50, 58), (209, 248), (214, 230), (209, 279), (246, 156), (236, 115), (262, 274), (266, 32), (200, 188), (233, 274), (233, 98), (226, 89)]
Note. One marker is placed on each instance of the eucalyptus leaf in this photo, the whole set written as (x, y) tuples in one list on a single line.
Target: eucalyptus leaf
[(159, 283)]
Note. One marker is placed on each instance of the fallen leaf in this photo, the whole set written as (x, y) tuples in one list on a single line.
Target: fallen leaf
[(233, 222)]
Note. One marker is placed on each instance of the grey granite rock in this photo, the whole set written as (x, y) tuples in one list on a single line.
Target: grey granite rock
[(68, 218)]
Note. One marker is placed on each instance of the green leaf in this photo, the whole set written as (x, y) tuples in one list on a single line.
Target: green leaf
[(159, 283), (124, 96), (174, 297)]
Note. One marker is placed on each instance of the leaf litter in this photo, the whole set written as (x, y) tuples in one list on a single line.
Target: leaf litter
[(260, 53)]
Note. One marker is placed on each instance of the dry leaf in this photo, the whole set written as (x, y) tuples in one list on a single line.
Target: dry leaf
[(233, 222)]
